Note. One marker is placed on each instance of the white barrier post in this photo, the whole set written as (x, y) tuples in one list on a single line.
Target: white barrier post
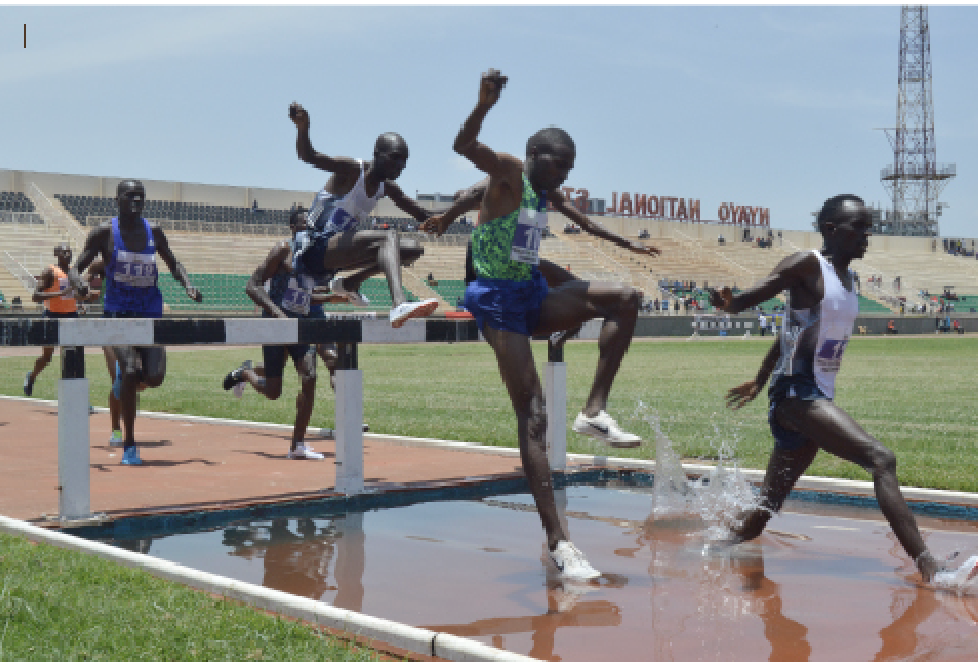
[(74, 500), (555, 392), (349, 422)]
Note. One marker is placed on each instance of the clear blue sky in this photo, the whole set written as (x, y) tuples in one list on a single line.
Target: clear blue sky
[(763, 106)]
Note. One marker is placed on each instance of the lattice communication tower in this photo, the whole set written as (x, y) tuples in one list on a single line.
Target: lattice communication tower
[(915, 178)]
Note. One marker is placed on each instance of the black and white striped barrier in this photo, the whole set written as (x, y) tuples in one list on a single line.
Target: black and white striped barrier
[(72, 335)]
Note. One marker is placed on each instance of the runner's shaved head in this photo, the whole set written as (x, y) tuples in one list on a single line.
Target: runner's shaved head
[(545, 140), (840, 206), (387, 142)]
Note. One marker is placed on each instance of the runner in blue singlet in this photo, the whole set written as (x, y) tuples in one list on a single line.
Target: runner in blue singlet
[(128, 246), (804, 360), (291, 293)]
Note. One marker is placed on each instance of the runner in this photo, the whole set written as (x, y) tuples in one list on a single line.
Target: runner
[(55, 293), (128, 246), (334, 244), (96, 280), (820, 310), (510, 301), (290, 294)]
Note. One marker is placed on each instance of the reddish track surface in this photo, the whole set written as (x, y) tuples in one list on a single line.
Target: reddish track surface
[(198, 466)]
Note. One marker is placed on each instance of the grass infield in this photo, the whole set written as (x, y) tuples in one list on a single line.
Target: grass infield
[(915, 394), (57, 604)]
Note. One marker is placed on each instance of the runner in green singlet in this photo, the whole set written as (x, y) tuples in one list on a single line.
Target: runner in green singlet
[(511, 301)]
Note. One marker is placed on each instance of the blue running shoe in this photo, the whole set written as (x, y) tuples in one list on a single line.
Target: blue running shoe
[(117, 383), (130, 456)]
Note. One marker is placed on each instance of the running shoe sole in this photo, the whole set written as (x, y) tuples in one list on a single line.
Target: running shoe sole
[(597, 434), (421, 311)]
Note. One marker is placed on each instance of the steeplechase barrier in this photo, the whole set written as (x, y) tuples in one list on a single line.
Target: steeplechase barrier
[(347, 331)]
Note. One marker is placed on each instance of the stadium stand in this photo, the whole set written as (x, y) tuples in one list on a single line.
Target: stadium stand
[(15, 202), (84, 207), (220, 244)]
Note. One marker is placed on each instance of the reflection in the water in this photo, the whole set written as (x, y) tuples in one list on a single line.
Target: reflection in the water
[(298, 561), (669, 591)]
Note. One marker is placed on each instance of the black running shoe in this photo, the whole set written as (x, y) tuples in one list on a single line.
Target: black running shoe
[(236, 376), (28, 385)]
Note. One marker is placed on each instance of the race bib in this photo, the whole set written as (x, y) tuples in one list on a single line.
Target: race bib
[(341, 220), (526, 238), (67, 293), (135, 269), (297, 299), (829, 355)]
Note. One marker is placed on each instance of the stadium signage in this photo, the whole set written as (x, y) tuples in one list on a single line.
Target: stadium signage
[(665, 207)]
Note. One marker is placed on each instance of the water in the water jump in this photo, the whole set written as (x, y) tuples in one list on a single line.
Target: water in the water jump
[(716, 498)]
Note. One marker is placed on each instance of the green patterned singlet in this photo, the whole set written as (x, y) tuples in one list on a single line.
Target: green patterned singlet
[(492, 241)]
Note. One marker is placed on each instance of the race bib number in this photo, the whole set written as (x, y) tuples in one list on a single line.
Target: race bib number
[(297, 299), (829, 355), (67, 293), (341, 220), (135, 269), (526, 238)]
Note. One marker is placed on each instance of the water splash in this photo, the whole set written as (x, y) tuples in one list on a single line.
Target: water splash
[(716, 498)]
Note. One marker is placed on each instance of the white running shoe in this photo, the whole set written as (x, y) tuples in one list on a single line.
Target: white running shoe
[(571, 564), (603, 427), (357, 299), (303, 452), (957, 580), (402, 313)]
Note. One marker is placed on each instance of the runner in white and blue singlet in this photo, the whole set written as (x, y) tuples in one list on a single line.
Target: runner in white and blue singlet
[(128, 246), (333, 243), (805, 358)]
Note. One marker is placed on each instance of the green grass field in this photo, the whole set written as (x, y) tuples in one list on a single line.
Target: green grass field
[(57, 604), (916, 394)]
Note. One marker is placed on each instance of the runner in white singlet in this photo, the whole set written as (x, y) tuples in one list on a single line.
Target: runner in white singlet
[(333, 243), (804, 360)]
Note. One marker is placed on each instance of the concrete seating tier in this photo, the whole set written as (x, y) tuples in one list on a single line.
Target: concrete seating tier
[(83, 206), (14, 201)]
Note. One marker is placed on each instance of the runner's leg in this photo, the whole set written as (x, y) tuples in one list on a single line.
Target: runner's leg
[(577, 301), (836, 432), (519, 375)]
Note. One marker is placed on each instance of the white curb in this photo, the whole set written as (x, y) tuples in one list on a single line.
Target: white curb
[(414, 639)]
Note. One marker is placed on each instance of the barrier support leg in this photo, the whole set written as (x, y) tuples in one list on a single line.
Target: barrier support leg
[(555, 392), (74, 496), (349, 422)]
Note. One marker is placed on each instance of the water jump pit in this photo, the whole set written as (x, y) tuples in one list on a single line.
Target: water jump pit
[(826, 581)]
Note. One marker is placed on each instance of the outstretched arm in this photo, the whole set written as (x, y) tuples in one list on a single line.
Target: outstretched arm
[(177, 269), (96, 244), (739, 396), (303, 146), (466, 200), (405, 203), (789, 273), (467, 141), (256, 284), (573, 213)]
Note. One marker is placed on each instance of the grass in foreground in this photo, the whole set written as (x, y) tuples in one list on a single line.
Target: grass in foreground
[(58, 604), (914, 394)]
